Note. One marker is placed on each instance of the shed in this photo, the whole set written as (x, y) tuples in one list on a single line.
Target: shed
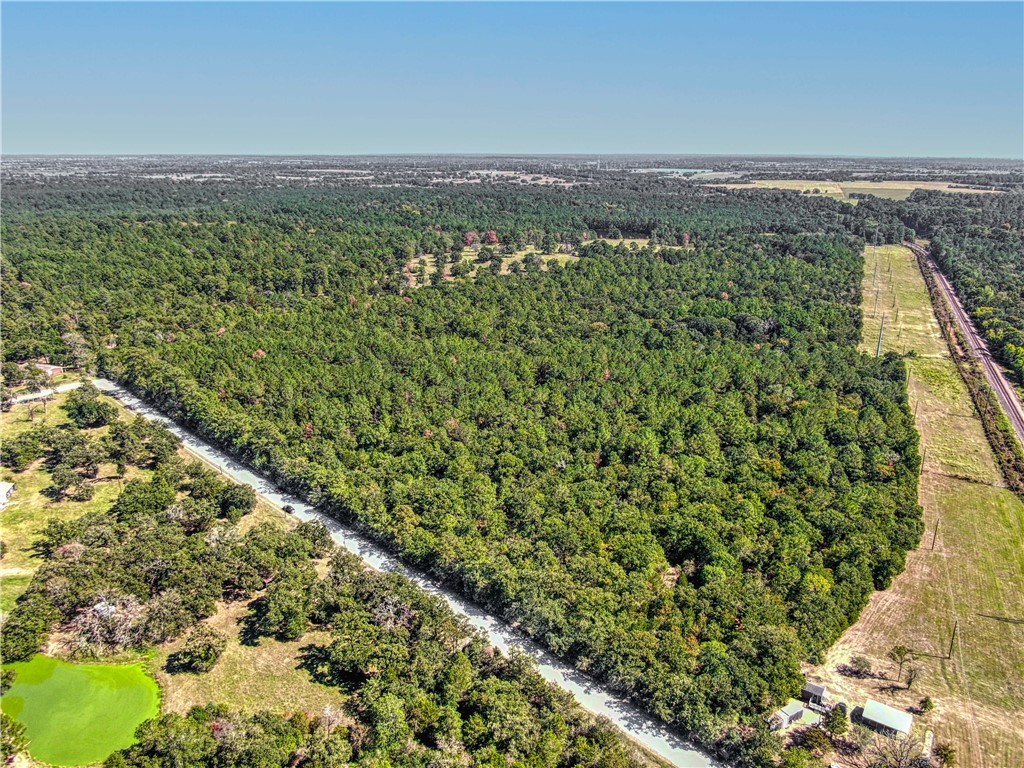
[(814, 693), (788, 714), (888, 719)]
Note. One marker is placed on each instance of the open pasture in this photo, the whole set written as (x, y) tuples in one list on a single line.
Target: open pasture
[(842, 190), (29, 509)]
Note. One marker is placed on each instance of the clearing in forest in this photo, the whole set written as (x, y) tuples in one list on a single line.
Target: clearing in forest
[(973, 575), (841, 190)]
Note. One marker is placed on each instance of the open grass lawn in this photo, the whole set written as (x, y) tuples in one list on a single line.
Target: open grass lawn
[(247, 677), (77, 714), (28, 510), (975, 573), (841, 190)]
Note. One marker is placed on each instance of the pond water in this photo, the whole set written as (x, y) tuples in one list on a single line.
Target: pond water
[(77, 714)]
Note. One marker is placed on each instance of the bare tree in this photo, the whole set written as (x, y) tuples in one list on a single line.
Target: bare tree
[(894, 753), (901, 655)]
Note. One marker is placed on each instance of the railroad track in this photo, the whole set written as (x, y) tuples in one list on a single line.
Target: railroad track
[(994, 375)]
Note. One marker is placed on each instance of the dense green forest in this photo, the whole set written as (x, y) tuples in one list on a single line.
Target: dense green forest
[(422, 687), (670, 464)]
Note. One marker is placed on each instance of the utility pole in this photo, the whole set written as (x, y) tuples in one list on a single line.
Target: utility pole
[(874, 311), (881, 331), (935, 533), (956, 626)]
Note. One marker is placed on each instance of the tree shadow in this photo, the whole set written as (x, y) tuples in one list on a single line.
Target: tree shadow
[(847, 670), (892, 688), (176, 664), (249, 625)]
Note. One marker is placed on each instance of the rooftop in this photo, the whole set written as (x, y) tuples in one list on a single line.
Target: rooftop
[(888, 717), (815, 690), (793, 707)]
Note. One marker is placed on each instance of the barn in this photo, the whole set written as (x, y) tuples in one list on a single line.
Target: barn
[(881, 717)]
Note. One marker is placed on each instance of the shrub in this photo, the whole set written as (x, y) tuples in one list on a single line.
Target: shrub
[(203, 647)]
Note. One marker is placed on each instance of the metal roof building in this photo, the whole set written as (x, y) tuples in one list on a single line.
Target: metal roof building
[(887, 717), (814, 693)]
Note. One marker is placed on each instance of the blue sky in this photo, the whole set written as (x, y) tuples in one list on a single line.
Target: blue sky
[(922, 79)]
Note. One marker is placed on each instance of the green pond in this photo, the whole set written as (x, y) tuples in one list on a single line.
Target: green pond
[(76, 714)]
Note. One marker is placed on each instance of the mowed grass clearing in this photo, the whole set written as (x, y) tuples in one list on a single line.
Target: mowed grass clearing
[(975, 573), (77, 714), (412, 269), (265, 676), (841, 190)]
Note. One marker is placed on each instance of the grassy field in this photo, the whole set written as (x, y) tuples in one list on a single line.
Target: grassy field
[(77, 714), (841, 190), (974, 574), (247, 677), (28, 509), (468, 256)]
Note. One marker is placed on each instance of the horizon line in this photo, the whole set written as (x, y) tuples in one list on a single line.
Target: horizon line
[(754, 155)]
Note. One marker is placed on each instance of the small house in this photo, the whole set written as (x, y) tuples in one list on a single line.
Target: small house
[(813, 693), (893, 722), (787, 715)]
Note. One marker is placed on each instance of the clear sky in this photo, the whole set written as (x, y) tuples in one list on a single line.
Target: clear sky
[(923, 79)]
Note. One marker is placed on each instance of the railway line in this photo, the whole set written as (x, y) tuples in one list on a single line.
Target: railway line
[(994, 375)]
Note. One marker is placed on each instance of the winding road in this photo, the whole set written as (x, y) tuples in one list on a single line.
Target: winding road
[(1008, 399), (639, 726)]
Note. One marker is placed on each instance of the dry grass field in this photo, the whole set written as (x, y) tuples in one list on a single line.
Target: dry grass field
[(841, 190), (974, 576), (468, 257)]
